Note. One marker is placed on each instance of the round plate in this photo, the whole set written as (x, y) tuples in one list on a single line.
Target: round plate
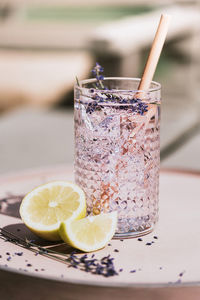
[(156, 263)]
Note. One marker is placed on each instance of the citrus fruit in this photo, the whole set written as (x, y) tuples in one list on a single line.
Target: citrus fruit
[(90, 233), (44, 208)]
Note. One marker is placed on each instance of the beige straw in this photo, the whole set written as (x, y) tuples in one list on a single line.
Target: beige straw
[(151, 65), (145, 82), (155, 52)]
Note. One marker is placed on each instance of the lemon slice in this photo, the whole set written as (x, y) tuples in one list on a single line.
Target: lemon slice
[(90, 233), (44, 208)]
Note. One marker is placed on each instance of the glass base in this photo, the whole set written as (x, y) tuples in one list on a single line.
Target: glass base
[(133, 234)]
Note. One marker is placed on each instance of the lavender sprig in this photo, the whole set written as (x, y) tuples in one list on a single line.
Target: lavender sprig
[(99, 77), (104, 266), (130, 103), (77, 81)]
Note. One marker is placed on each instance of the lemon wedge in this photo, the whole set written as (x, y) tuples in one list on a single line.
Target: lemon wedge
[(44, 208), (90, 233)]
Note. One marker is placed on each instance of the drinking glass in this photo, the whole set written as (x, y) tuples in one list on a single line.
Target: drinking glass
[(117, 151)]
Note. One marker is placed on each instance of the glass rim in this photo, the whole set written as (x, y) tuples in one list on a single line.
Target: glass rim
[(85, 81)]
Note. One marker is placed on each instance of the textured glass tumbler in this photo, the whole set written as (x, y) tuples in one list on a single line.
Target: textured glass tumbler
[(117, 151)]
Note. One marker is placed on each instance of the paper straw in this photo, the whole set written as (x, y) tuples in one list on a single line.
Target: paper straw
[(155, 52), (151, 65)]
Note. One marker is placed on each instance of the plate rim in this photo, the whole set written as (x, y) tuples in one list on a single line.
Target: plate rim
[(19, 175)]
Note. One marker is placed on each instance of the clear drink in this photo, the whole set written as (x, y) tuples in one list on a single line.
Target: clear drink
[(117, 151)]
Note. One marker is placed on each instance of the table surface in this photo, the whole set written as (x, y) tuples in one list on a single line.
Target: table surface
[(171, 259)]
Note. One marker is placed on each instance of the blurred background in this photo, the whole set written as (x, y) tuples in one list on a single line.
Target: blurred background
[(45, 44)]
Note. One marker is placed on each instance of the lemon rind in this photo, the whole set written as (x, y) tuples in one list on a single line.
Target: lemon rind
[(39, 227), (68, 236)]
